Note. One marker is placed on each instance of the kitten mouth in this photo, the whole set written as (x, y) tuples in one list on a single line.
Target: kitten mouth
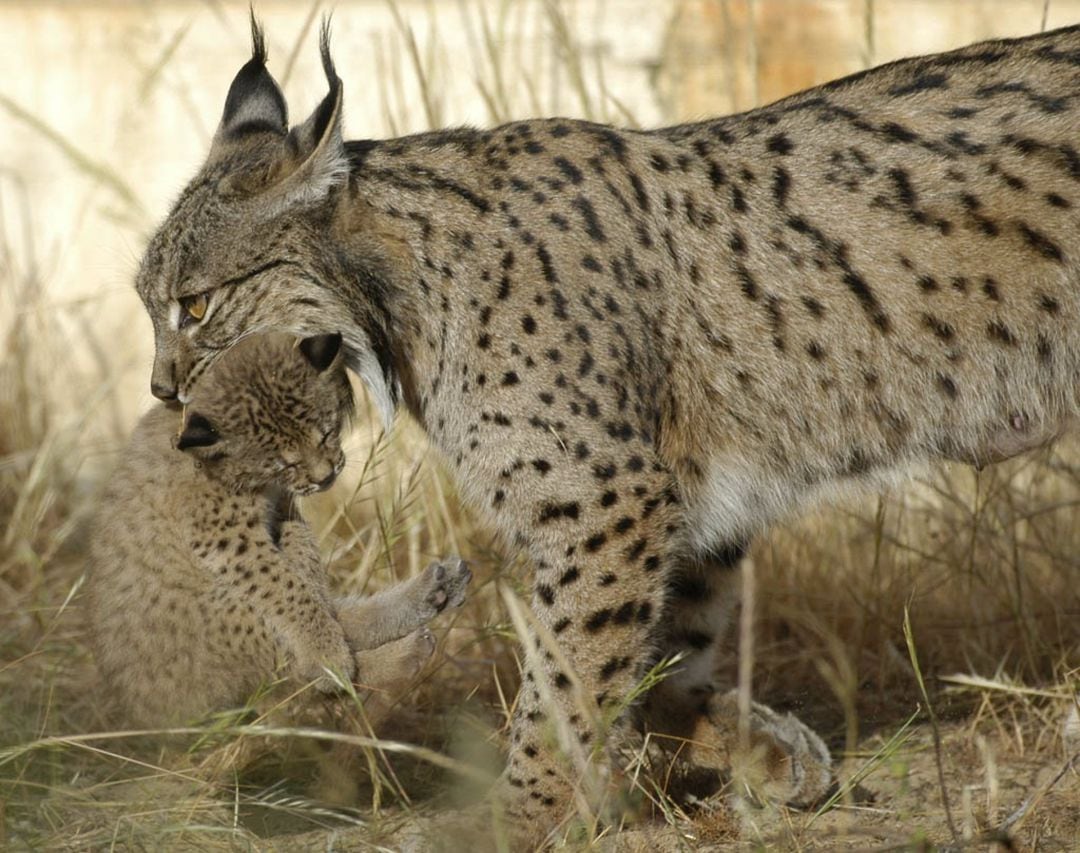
[(324, 484), (315, 488)]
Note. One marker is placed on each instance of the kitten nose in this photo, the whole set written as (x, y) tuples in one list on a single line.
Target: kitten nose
[(163, 392), (327, 481)]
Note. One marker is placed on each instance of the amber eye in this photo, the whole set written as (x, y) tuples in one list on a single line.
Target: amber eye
[(194, 308)]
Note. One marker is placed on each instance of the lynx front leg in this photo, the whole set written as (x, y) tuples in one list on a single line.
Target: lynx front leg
[(702, 594), (602, 538), (394, 663)]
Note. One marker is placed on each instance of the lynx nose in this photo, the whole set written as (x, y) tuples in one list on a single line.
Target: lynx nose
[(327, 481), (163, 392), (163, 384)]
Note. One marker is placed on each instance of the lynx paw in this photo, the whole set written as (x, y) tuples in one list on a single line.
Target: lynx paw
[(786, 761), (446, 582)]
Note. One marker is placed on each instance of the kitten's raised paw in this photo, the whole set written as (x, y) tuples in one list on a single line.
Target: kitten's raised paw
[(447, 581)]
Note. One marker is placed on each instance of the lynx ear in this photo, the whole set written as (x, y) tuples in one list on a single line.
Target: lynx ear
[(321, 350), (198, 432), (254, 102), (316, 146)]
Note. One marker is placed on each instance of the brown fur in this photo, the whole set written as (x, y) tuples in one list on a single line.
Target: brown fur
[(638, 349), (204, 582)]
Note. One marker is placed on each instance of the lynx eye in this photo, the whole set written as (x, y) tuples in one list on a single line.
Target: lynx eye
[(192, 308)]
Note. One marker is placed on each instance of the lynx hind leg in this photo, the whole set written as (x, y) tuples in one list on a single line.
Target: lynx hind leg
[(701, 599), (696, 723), (784, 761)]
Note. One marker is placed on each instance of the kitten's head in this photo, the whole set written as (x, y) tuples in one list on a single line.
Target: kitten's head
[(270, 412)]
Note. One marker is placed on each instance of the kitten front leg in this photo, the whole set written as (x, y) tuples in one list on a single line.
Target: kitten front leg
[(370, 621), (282, 579)]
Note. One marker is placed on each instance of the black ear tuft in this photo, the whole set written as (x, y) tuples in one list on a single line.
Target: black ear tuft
[(258, 38), (325, 113), (198, 432), (321, 350), (308, 136), (324, 53), (254, 102)]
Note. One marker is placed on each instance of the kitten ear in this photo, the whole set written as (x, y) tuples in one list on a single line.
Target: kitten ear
[(317, 148), (254, 103), (198, 432), (321, 350)]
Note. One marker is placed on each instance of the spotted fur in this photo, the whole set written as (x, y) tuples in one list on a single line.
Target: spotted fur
[(204, 581), (638, 349)]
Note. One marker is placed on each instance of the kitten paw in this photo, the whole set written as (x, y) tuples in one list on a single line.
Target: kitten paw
[(446, 581)]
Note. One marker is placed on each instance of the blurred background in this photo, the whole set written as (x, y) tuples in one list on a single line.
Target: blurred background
[(106, 108)]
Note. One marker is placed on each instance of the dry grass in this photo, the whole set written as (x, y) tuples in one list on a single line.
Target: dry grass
[(983, 568)]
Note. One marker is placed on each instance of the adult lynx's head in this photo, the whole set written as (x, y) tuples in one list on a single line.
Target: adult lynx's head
[(257, 241)]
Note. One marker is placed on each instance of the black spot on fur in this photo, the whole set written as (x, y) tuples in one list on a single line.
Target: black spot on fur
[(1049, 304), (922, 82), (998, 331), (746, 282), (571, 172), (553, 511), (781, 185), (592, 221), (544, 257), (1041, 243), (813, 307), (597, 620), (779, 144), (640, 196), (939, 327), (947, 386)]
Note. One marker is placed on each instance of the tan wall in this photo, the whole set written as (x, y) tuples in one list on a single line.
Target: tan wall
[(106, 108)]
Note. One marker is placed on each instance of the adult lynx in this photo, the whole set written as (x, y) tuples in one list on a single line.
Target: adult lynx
[(638, 349)]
